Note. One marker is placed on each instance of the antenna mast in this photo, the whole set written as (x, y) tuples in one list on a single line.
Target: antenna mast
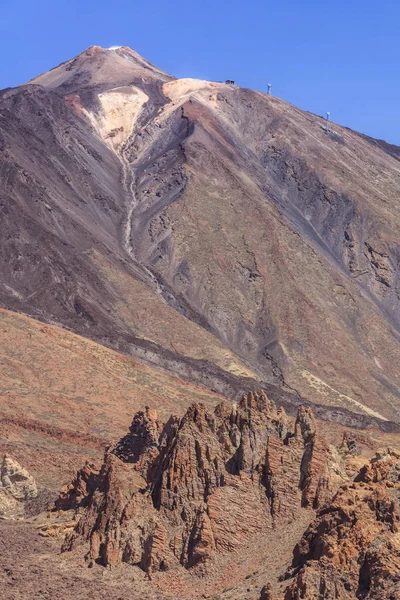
[(328, 125)]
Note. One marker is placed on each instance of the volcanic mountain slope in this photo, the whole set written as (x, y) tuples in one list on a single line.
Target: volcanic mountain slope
[(186, 220), (64, 208), (63, 398)]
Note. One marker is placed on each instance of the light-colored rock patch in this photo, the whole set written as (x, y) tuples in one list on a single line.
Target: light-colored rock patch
[(120, 109), (327, 390), (16, 486), (181, 88)]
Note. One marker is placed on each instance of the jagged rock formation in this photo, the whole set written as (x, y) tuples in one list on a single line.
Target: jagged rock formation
[(352, 551), (199, 486), (16, 487), (75, 494)]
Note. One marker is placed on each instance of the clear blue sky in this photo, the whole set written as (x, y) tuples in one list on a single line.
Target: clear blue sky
[(341, 56)]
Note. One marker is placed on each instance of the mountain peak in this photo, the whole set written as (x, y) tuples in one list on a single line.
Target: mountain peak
[(98, 66)]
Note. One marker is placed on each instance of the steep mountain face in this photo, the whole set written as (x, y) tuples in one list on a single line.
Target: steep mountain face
[(204, 228), (65, 205)]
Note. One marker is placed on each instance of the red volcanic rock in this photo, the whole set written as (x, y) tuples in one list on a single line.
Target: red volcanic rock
[(201, 485), (315, 457), (107, 503), (351, 550), (303, 453), (140, 445), (76, 493)]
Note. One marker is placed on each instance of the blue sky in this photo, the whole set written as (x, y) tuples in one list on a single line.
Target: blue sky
[(341, 56)]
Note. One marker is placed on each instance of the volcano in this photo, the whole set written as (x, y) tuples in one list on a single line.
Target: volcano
[(167, 245)]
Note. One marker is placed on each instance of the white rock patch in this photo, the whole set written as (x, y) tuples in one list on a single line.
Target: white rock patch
[(181, 88), (120, 109), (16, 486)]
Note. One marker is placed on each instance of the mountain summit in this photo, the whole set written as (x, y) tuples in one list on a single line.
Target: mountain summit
[(103, 67)]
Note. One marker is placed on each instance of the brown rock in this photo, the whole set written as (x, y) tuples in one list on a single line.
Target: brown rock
[(202, 485), (266, 593), (201, 544), (283, 464), (106, 505), (156, 553), (76, 493), (140, 445), (350, 550)]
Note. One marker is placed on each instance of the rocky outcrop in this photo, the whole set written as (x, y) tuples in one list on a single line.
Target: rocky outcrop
[(198, 486), (266, 593), (352, 550), (16, 487), (75, 494), (140, 445), (303, 453)]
